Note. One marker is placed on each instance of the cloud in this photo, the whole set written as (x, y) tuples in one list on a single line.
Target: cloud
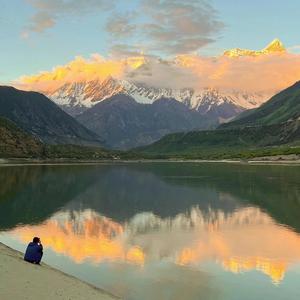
[(41, 21), (128, 50), (264, 74), (294, 49), (171, 250), (156, 26), (160, 73), (49, 11), (272, 72), (94, 68), (168, 26), (119, 26)]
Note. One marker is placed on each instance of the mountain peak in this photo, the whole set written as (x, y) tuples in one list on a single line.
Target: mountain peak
[(275, 46)]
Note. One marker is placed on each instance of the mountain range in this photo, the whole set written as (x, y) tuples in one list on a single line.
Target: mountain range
[(30, 123), (97, 101), (115, 122), (76, 97), (220, 105), (128, 113)]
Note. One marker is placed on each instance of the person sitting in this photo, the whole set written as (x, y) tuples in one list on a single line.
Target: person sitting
[(34, 251)]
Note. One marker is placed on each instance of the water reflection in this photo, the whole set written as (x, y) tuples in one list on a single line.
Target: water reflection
[(244, 240), (162, 231)]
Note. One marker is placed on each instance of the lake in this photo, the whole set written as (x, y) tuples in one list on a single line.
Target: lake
[(162, 230)]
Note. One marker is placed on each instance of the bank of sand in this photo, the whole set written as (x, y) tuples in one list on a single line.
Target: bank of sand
[(20, 280)]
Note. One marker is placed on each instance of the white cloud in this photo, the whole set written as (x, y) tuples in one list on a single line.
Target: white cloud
[(166, 26), (48, 12), (156, 26), (294, 49), (267, 72)]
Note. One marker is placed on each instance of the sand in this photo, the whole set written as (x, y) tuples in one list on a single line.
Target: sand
[(20, 280)]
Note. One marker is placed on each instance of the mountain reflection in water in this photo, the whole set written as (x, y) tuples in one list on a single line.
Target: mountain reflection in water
[(240, 241), (162, 231)]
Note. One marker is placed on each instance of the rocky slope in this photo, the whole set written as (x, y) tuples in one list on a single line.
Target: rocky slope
[(125, 123)]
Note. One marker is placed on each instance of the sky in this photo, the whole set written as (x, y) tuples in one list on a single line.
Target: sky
[(37, 35)]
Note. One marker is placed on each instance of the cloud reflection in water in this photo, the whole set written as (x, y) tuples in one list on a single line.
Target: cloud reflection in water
[(246, 239)]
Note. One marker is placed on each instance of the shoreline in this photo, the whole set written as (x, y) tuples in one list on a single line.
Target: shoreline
[(270, 160), (21, 280)]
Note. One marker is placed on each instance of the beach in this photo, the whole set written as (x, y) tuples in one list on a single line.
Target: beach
[(21, 280)]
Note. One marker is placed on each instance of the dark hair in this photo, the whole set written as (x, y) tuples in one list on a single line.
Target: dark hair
[(36, 240)]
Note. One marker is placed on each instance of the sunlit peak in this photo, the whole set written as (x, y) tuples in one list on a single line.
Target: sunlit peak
[(274, 47)]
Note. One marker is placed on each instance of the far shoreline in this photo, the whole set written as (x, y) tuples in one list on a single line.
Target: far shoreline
[(269, 160)]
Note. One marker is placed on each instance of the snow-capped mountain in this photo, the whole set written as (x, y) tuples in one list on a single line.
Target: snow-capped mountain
[(220, 86), (206, 101), (275, 46), (76, 97), (135, 101)]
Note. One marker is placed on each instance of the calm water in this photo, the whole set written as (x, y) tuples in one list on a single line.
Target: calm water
[(162, 231)]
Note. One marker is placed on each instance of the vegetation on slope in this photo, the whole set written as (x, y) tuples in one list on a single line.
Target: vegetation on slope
[(273, 128), (220, 144), (238, 142), (14, 142), (79, 152)]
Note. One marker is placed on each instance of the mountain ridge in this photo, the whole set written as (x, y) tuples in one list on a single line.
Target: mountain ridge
[(76, 97), (39, 116)]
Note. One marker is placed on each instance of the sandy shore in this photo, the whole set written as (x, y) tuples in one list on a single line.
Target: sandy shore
[(20, 281)]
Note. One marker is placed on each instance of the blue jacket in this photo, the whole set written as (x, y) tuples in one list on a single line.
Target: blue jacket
[(34, 253)]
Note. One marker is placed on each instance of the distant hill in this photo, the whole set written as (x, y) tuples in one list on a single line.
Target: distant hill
[(282, 107), (237, 138), (14, 142), (39, 116), (277, 122), (125, 123)]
